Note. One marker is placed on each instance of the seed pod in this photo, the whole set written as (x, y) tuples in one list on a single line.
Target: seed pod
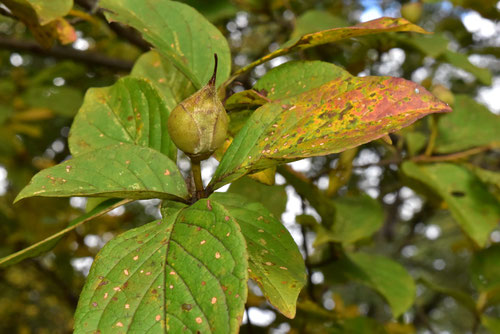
[(198, 125)]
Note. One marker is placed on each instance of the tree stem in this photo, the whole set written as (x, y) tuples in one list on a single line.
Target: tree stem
[(198, 182)]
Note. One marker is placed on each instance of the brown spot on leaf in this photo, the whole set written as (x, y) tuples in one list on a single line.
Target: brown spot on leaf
[(187, 307)]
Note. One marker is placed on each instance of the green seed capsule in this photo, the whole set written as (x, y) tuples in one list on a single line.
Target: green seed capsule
[(198, 125)]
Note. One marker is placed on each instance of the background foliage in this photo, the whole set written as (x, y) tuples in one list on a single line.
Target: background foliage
[(397, 238)]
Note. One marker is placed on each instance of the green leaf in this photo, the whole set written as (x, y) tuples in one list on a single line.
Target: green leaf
[(124, 171), (275, 262), (277, 84), (314, 21), (186, 272), (359, 325), (459, 130), (415, 142), (131, 111), (473, 207), (341, 114), (42, 10), (383, 24), (461, 61), (485, 175), (385, 276), (432, 45), (272, 197), (461, 297), (485, 269), (48, 243), (214, 10), (355, 218), (6, 111), (492, 324), (64, 100), (244, 101), (179, 33), (172, 85)]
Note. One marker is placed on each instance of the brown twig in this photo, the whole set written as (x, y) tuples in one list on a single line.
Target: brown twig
[(60, 52), (129, 34), (453, 156)]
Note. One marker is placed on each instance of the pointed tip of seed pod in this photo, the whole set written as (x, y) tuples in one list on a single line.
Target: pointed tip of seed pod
[(214, 76)]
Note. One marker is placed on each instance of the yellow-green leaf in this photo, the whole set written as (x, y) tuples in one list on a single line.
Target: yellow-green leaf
[(338, 115), (123, 171)]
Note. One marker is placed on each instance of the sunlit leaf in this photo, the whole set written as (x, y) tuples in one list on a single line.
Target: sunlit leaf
[(186, 272), (48, 243), (124, 171), (179, 33), (473, 207), (131, 111), (338, 115), (274, 260)]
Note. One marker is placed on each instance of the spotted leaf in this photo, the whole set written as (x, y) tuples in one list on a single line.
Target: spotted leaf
[(274, 260), (338, 115), (131, 111), (179, 33), (186, 272), (123, 171), (383, 24)]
